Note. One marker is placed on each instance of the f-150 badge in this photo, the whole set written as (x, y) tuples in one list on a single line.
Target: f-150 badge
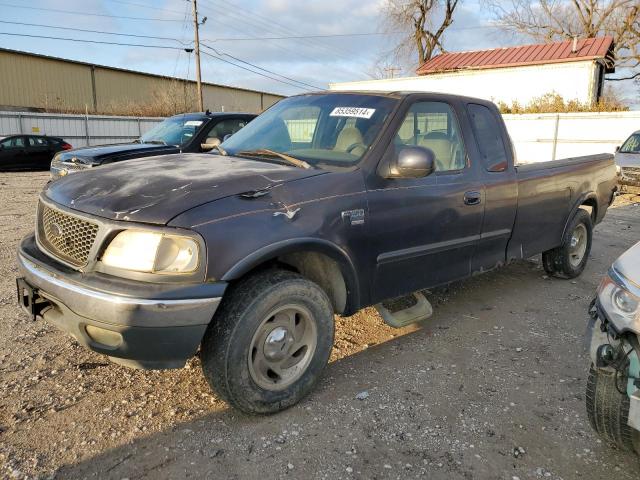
[(354, 217)]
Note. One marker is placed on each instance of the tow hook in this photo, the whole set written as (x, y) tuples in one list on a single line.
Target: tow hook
[(605, 356)]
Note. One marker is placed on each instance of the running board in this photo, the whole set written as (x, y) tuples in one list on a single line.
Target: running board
[(417, 312)]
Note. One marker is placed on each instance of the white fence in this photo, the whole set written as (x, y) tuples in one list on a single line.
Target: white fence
[(536, 137), (78, 130), (550, 136)]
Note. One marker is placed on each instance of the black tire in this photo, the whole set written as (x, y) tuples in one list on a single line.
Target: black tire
[(557, 262), (608, 410), (227, 342)]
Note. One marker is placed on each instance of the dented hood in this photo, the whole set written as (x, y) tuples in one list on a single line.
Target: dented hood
[(153, 190)]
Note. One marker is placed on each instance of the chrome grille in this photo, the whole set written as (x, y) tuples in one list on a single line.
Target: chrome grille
[(71, 166), (65, 236)]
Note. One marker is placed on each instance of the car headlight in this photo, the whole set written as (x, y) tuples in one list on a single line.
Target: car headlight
[(152, 252), (622, 306)]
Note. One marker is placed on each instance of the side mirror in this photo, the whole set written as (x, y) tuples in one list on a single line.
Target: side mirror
[(210, 143), (617, 148), (412, 162)]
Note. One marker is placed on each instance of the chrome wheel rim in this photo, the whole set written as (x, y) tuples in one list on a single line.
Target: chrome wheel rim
[(282, 347), (578, 245)]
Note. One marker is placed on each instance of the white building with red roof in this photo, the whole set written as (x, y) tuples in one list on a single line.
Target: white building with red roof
[(574, 69)]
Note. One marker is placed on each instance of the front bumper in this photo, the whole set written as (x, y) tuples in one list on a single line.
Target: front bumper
[(629, 176), (135, 323)]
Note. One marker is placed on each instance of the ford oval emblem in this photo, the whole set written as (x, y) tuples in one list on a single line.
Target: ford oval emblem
[(55, 230)]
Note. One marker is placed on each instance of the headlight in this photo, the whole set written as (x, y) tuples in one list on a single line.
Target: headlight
[(622, 306), (152, 252)]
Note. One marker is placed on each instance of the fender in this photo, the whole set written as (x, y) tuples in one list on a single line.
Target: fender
[(308, 244), (581, 200)]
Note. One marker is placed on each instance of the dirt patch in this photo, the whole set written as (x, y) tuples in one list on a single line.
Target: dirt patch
[(492, 386)]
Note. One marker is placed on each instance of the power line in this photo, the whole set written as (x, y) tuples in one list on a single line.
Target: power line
[(240, 19), (260, 68), (94, 31), (84, 14), (143, 5), (252, 71), (94, 41), (336, 35), (296, 37), (153, 46), (268, 24)]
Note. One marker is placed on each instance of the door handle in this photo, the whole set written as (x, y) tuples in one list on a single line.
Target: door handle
[(472, 198)]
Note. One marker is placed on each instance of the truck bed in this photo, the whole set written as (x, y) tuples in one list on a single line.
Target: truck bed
[(549, 191)]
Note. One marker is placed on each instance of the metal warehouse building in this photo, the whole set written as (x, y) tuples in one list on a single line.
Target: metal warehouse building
[(32, 82)]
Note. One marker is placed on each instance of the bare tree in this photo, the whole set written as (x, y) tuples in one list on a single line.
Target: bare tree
[(425, 22), (552, 20)]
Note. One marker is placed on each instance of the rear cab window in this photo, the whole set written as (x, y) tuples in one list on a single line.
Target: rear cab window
[(488, 135)]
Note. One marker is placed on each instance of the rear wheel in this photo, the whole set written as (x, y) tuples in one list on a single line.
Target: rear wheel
[(269, 342), (608, 410), (570, 258)]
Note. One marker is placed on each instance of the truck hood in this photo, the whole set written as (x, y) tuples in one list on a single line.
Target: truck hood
[(97, 154), (146, 190), (628, 264), (628, 159)]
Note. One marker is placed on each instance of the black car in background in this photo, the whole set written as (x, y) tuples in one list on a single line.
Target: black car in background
[(29, 152), (187, 133)]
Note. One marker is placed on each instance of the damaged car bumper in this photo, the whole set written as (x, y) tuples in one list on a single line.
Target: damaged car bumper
[(141, 325)]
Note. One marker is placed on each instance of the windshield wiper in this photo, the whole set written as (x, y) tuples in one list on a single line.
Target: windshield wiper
[(221, 150), (156, 142), (265, 152)]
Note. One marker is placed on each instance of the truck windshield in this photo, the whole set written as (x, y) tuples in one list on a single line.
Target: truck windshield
[(334, 129), (172, 131), (632, 144)]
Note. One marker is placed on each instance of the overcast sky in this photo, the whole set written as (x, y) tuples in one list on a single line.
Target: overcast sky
[(231, 28)]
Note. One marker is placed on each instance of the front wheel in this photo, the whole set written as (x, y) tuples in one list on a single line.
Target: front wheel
[(570, 258), (608, 410), (269, 342)]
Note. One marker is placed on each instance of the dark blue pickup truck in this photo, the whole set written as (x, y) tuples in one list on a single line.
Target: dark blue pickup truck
[(186, 133), (324, 204)]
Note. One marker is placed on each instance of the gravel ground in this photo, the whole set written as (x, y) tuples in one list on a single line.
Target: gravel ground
[(492, 386)]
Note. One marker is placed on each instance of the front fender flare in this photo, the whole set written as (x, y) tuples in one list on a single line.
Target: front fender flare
[(304, 244)]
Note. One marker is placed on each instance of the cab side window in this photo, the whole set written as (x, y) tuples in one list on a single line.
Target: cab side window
[(226, 127), (488, 137), (434, 125)]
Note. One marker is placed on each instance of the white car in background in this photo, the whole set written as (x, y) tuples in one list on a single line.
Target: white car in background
[(628, 161)]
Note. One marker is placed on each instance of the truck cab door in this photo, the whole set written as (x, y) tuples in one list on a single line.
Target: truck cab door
[(491, 151), (424, 231)]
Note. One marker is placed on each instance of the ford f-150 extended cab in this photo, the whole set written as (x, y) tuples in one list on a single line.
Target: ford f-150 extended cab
[(186, 133), (324, 204)]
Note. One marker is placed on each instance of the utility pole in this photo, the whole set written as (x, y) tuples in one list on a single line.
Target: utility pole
[(391, 71), (197, 49)]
